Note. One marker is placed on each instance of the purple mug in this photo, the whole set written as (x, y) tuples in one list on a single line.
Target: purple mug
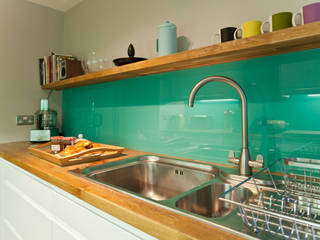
[(308, 14)]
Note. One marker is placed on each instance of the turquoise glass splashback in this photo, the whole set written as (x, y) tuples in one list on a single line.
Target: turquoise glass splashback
[(150, 113)]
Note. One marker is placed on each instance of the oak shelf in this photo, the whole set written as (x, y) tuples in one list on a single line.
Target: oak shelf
[(283, 41)]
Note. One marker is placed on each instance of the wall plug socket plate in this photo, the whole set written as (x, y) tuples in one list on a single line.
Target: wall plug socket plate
[(24, 120)]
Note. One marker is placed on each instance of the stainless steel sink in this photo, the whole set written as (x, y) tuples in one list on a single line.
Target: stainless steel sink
[(185, 187), (154, 177), (205, 201)]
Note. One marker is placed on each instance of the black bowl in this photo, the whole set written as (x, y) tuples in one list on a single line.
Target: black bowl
[(127, 60)]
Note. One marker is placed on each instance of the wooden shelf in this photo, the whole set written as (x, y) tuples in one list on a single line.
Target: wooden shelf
[(283, 41)]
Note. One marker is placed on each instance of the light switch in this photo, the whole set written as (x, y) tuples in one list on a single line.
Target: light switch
[(25, 120)]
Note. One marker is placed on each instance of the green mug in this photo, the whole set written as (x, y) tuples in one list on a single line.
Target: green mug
[(276, 22)]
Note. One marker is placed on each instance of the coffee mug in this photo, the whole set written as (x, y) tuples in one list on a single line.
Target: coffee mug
[(248, 29), (308, 14), (277, 21), (226, 34)]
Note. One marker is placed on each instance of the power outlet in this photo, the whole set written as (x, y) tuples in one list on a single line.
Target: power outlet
[(24, 120)]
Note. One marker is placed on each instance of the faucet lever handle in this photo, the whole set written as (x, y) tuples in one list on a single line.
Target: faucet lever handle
[(231, 154), (259, 158), (258, 163), (232, 158)]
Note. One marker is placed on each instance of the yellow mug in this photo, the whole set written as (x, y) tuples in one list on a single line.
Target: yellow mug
[(248, 29)]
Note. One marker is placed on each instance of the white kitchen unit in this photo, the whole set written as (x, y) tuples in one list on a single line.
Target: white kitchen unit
[(32, 209)]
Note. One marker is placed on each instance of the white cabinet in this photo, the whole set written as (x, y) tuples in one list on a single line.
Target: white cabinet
[(26, 206), (32, 209), (75, 219)]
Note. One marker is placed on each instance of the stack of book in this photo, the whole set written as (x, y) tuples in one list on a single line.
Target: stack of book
[(50, 67)]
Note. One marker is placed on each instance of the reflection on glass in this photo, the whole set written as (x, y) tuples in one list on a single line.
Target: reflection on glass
[(313, 95), (149, 113), (218, 100)]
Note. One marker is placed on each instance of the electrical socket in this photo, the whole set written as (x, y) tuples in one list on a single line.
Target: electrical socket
[(24, 120)]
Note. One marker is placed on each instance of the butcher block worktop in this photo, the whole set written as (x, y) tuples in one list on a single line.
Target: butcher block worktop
[(154, 220)]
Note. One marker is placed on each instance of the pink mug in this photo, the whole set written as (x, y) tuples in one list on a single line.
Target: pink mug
[(308, 14)]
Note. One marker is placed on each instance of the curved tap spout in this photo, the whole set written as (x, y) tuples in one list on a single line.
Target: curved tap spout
[(244, 168)]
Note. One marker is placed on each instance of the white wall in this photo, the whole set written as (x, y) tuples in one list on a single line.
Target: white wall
[(108, 26), (28, 32)]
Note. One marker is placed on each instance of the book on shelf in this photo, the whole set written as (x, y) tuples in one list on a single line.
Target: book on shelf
[(50, 67), (40, 61)]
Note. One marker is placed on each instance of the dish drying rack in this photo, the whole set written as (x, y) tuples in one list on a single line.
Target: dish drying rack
[(289, 208)]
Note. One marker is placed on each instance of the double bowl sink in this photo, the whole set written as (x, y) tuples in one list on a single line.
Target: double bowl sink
[(189, 187)]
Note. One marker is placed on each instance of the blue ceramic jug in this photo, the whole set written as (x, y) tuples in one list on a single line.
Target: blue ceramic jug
[(167, 39)]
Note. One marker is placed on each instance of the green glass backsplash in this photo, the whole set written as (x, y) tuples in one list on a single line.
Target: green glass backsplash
[(150, 113)]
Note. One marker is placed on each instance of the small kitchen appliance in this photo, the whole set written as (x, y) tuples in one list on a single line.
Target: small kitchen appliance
[(46, 122)]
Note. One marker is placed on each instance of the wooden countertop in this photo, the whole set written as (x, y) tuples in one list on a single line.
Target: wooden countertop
[(154, 220)]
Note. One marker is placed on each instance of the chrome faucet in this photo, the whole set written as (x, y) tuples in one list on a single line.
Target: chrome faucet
[(244, 161)]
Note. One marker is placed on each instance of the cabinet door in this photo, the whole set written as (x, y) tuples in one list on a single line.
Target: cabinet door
[(62, 231), (81, 223), (32, 209), (1, 201), (25, 207)]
